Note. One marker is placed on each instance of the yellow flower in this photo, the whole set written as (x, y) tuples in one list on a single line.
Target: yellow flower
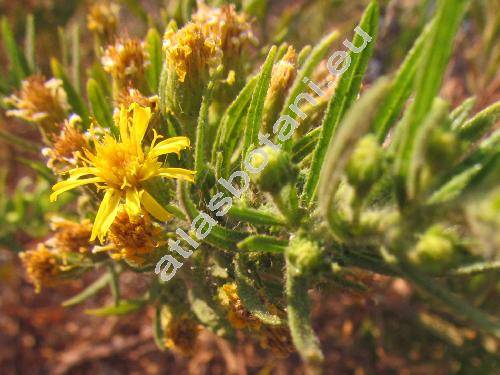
[(102, 19), (120, 167)]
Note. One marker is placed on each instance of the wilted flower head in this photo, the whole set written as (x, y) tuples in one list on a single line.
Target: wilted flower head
[(120, 167), (102, 19), (232, 29), (43, 266), (42, 102), (134, 237), (181, 332), (70, 236), (126, 61), (238, 315), (67, 145)]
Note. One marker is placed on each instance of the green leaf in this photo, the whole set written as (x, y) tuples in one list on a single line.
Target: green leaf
[(157, 329), (481, 123), (100, 105), (460, 114), (200, 164), (249, 295), (356, 124), (154, 49), (123, 308), (231, 125), (345, 94), (402, 85), (74, 99), (314, 58), (253, 216), (265, 244), (299, 321), (256, 109), (305, 145), (75, 58), (430, 73), (29, 44), (475, 268), (18, 65), (89, 291)]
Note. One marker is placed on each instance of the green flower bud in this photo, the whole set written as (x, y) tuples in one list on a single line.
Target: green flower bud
[(443, 149), (304, 254), (366, 164), (271, 169), (436, 250)]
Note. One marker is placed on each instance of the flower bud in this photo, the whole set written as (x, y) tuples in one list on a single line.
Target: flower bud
[(304, 254), (283, 74), (366, 164), (276, 169), (436, 250)]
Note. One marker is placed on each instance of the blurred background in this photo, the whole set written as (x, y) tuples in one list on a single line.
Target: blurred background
[(387, 331)]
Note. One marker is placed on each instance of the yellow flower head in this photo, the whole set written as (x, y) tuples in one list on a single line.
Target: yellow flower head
[(120, 167), (191, 53), (181, 332), (70, 236)]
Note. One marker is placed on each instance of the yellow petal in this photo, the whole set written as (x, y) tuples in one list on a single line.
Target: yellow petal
[(69, 184), (170, 145), (123, 123), (154, 208), (79, 172), (179, 173), (140, 121), (133, 202), (105, 215)]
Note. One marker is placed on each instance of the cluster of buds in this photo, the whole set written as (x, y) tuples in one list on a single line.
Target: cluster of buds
[(40, 101)]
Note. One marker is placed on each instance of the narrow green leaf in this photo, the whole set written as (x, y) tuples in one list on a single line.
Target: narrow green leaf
[(154, 49), (232, 124), (402, 85), (74, 99), (261, 243), (157, 329), (460, 114), (76, 58), (18, 65), (312, 61), (29, 44), (89, 291), (481, 123), (253, 216), (357, 123), (123, 308), (114, 283), (200, 164), (475, 268), (429, 76), (256, 108), (299, 311), (101, 108), (345, 94), (455, 186)]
